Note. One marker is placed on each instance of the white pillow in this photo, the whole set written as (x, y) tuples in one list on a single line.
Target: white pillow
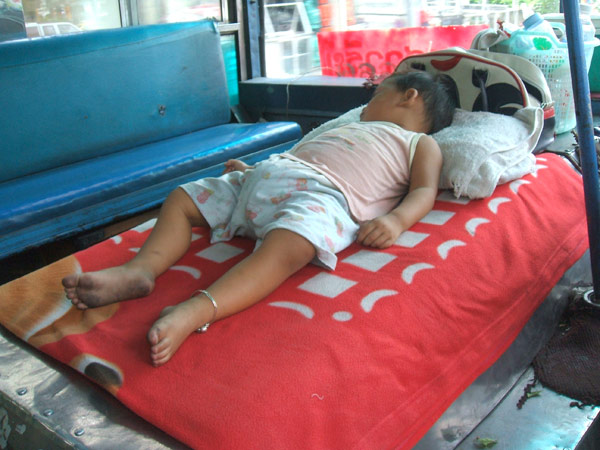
[(482, 150)]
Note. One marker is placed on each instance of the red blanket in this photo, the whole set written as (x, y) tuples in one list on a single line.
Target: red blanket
[(368, 356)]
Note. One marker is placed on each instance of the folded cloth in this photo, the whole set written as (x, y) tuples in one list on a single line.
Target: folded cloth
[(481, 150)]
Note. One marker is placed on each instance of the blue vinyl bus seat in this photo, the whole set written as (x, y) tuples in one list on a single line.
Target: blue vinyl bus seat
[(55, 203), (101, 125)]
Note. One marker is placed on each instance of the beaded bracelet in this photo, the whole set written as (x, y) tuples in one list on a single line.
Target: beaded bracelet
[(204, 327)]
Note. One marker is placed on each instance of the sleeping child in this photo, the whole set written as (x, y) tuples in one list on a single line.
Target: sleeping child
[(367, 182)]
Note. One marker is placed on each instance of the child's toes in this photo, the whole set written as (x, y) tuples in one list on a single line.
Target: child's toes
[(154, 336), (70, 281), (79, 304), (160, 360), (160, 348)]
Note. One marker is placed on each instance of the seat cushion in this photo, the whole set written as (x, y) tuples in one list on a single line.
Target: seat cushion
[(63, 201)]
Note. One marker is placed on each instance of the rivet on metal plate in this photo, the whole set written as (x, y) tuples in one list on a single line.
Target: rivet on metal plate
[(79, 432), (22, 391), (48, 412)]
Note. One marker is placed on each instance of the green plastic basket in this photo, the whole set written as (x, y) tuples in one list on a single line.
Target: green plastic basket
[(552, 57)]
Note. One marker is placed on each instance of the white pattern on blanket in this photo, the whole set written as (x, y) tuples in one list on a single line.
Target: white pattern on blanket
[(481, 149)]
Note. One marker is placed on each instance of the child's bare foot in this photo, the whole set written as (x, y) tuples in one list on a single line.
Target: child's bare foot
[(175, 324), (93, 289)]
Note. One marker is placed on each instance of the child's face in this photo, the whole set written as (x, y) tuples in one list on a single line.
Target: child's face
[(382, 105)]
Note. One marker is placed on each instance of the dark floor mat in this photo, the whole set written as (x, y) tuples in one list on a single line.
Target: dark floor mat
[(570, 362)]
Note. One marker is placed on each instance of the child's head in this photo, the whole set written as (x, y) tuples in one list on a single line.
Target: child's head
[(417, 101)]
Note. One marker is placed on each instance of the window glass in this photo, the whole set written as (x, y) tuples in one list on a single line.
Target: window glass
[(82, 15), (32, 30), (48, 30), (368, 37), (160, 11), (290, 40), (65, 28), (231, 67), (71, 15)]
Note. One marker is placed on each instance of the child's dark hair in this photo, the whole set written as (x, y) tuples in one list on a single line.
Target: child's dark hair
[(437, 91)]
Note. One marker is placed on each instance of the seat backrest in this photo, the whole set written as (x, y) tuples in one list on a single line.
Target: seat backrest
[(73, 97)]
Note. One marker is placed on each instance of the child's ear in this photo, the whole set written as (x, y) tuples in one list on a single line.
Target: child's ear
[(410, 95)]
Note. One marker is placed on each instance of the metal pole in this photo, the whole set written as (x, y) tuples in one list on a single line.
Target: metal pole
[(585, 130)]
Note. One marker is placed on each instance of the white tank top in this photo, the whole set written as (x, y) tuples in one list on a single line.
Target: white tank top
[(369, 162)]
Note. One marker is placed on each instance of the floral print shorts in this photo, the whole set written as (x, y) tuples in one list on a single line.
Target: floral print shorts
[(278, 193)]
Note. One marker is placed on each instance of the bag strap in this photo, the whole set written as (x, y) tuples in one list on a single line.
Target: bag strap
[(479, 77), (529, 73)]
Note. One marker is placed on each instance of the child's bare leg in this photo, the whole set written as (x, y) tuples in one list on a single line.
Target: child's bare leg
[(168, 241), (281, 254)]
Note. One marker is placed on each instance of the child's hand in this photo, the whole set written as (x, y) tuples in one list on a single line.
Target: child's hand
[(235, 164), (380, 232)]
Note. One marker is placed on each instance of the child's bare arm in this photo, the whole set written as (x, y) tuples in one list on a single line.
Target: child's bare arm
[(235, 164), (383, 231)]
